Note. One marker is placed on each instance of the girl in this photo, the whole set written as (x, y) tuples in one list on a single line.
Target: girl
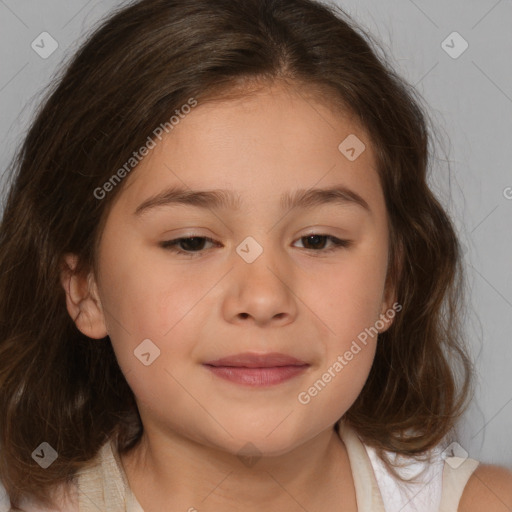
[(225, 283)]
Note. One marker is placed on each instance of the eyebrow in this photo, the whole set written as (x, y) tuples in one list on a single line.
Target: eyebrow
[(222, 199)]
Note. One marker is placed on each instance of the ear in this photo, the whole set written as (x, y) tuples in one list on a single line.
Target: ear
[(82, 299)]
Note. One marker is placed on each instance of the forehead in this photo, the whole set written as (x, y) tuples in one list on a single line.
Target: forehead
[(259, 146)]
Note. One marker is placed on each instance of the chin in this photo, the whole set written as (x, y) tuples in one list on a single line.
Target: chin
[(263, 442)]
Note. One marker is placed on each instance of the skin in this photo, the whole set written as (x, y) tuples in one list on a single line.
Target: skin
[(489, 488), (294, 299)]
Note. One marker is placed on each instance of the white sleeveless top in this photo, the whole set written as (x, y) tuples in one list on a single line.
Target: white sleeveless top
[(103, 487)]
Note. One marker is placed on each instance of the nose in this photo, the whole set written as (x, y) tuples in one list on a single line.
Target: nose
[(261, 292)]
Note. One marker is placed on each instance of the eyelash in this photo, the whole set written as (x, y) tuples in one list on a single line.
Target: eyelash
[(171, 245)]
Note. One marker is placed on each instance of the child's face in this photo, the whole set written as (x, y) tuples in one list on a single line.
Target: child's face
[(217, 303)]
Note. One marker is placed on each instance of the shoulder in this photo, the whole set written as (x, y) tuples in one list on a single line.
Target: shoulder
[(489, 488)]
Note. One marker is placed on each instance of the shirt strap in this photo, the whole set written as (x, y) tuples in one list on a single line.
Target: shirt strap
[(456, 473), (368, 496)]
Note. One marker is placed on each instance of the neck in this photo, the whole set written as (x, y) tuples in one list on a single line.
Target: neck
[(164, 470)]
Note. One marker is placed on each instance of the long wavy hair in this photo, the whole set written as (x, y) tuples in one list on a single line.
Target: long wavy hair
[(141, 64)]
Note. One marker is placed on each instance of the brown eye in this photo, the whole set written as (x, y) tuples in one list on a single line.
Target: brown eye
[(189, 245), (316, 242)]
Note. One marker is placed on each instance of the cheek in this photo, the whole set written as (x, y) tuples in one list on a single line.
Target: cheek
[(148, 307), (347, 297), (349, 301), (142, 291), (337, 388), (349, 351)]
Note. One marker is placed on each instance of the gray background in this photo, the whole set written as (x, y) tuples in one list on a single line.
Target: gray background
[(470, 100)]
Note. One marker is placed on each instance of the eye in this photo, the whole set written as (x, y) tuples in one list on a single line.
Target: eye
[(195, 244), (191, 244), (318, 239)]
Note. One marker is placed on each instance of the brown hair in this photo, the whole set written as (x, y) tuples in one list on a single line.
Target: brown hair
[(144, 62)]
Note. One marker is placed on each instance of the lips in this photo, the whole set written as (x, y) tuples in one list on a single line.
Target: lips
[(250, 360), (257, 370)]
